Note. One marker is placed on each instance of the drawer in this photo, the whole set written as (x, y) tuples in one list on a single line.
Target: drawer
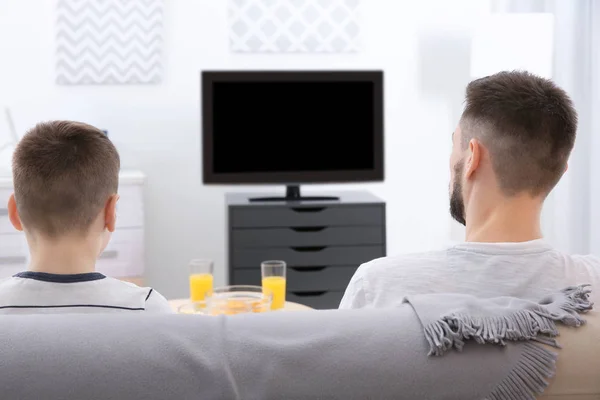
[(13, 244), (302, 278), (307, 256), (130, 208), (5, 225), (14, 254), (250, 217), (124, 255), (323, 300), (307, 236)]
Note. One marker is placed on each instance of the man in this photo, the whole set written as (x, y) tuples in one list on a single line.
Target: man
[(509, 150)]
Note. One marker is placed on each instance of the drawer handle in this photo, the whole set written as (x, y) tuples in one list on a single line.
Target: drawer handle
[(309, 294), (308, 209), (308, 229), (3, 212), (307, 269), (109, 255), (13, 260), (309, 249)]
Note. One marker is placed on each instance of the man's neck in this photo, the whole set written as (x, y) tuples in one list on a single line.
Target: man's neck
[(62, 257), (514, 220)]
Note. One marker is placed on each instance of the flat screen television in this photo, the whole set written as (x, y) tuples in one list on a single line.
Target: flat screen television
[(292, 127)]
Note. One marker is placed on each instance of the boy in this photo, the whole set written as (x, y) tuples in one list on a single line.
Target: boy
[(65, 179)]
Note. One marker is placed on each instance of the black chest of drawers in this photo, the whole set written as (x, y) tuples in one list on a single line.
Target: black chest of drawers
[(323, 243)]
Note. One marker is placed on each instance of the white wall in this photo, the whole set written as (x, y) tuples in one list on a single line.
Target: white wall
[(595, 140), (423, 46)]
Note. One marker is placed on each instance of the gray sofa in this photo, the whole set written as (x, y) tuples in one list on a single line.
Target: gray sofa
[(350, 354)]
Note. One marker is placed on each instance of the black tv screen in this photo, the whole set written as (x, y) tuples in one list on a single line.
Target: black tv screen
[(292, 127)]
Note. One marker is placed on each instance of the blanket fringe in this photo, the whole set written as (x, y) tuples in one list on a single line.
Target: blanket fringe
[(529, 378), (537, 323)]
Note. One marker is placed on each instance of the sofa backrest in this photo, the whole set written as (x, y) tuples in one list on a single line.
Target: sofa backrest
[(578, 365), (343, 354)]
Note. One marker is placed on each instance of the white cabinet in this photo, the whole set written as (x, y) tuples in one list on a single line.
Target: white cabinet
[(123, 257)]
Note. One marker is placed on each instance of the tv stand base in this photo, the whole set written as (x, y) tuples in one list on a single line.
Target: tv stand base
[(292, 193)]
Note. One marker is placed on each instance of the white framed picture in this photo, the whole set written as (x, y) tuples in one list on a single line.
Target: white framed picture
[(109, 42), (294, 26)]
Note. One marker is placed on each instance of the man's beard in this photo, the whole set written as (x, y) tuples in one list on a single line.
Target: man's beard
[(457, 204)]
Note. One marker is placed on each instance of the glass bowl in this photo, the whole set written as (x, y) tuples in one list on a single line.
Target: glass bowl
[(198, 307), (238, 299)]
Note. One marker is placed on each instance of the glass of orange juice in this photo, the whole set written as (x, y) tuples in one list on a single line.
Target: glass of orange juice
[(273, 281), (201, 280)]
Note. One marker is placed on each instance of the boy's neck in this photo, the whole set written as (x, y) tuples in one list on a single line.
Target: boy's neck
[(62, 256)]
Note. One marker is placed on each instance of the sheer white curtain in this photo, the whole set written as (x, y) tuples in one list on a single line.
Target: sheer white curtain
[(571, 219)]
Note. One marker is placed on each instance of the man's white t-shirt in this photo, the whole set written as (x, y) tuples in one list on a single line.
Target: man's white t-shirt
[(528, 270), (42, 293)]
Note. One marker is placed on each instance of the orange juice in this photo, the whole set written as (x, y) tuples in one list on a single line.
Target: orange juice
[(200, 286), (276, 286)]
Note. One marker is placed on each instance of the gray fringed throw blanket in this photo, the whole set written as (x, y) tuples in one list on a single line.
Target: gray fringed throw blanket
[(449, 320)]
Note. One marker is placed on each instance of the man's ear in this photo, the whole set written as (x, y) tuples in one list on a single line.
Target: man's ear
[(13, 213), (474, 157), (110, 212)]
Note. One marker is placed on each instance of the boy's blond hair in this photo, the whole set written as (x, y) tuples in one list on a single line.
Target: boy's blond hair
[(63, 172)]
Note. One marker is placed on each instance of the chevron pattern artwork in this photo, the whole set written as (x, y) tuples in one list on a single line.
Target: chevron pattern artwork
[(294, 26), (109, 42)]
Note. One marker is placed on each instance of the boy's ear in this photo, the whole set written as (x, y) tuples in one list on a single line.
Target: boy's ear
[(110, 212), (13, 214)]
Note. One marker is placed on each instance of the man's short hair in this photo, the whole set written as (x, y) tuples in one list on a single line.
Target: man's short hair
[(527, 123), (64, 172)]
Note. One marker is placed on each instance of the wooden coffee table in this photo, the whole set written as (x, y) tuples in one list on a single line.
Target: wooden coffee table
[(289, 306)]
